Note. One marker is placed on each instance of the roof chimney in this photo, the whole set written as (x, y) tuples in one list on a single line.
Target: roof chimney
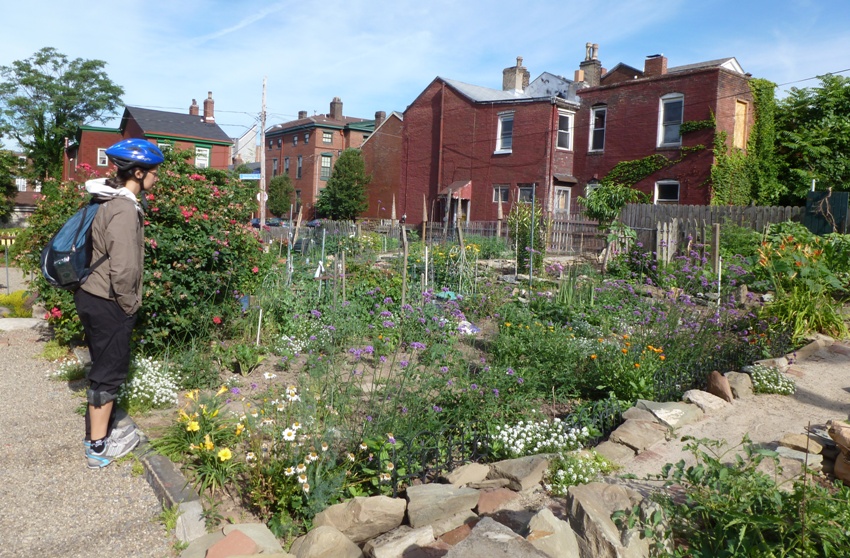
[(380, 116), (302, 114), (209, 111), (591, 67), (336, 109), (655, 65), (194, 109), (516, 77)]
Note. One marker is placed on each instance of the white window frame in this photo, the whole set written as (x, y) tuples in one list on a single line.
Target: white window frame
[(274, 167), (594, 129), (327, 137), (295, 139), (21, 184), (306, 138), (502, 190), (591, 185), (505, 144), (202, 157), (655, 198), (663, 103), (164, 145), (565, 131), (286, 165), (325, 169), (569, 193), (102, 159), (525, 193)]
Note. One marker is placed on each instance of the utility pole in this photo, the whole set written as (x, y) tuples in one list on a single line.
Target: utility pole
[(262, 195)]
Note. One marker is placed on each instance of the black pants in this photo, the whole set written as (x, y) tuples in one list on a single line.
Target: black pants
[(108, 330)]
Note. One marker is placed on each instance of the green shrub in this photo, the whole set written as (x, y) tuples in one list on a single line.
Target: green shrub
[(200, 256), (17, 303), (768, 379)]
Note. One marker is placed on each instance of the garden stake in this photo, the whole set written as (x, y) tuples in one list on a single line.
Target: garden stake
[(719, 275), (343, 276), (259, 325), (404, 269)]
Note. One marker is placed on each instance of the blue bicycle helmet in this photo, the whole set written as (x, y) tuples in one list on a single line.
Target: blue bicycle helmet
[(134, 152)]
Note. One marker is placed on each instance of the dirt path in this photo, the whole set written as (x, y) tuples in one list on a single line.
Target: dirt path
[(823, 393)]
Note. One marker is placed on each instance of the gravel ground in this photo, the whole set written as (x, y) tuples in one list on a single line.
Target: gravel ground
[(52, 504)]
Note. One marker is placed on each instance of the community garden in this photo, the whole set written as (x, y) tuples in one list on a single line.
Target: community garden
[(287, 385)]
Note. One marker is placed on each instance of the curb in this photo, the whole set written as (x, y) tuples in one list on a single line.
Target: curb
[(172, 489)]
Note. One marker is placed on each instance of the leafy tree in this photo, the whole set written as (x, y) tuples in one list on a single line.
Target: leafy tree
[(9, 168), (603, 203), (44, 98), (813, 135), (281, 195), (344, 197)]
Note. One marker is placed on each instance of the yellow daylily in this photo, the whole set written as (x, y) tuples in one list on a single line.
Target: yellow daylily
[(193, 426), (224, 454), (221, 390), (208, 444), (239, 428)]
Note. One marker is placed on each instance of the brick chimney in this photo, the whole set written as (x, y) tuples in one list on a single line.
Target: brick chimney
[(194, 110), (655, 65), (302, 114), (591, 67), (336, 109), (209, 110), (380, 116), (516, 77)]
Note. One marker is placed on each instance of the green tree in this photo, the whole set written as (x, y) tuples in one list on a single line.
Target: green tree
[(813, 136), (44, 98), (344, 197), (281, 195), (10, 167)]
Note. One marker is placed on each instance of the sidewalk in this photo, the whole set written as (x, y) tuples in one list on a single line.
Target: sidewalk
[(53, 505)]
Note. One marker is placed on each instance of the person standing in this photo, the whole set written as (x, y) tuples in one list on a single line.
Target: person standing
[(109, 300)]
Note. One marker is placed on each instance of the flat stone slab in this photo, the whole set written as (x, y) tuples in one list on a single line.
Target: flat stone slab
[(814, 461), (614, 452), (706, 401), (639, 434), (11, 324), (801, 442), (672, 414)]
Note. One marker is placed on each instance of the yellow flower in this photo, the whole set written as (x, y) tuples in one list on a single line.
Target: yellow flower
[(239, 428), (208, 444), (507, 324), (224, 454), (221, 390), (182, 416), (191, 395), (193, 426)]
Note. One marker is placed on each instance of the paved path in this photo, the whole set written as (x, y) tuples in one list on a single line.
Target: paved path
[(52, 504)]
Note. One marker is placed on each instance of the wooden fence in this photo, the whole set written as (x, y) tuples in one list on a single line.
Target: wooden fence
[(695, 222)]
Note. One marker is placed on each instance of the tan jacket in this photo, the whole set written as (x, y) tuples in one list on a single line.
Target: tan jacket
[(118, 231)]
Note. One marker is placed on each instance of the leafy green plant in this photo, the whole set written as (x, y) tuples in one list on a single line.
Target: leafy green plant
[(731, 508), (245, 357), (169, 516), (528, 228), (150, 385), (574, 468), (17, 303)]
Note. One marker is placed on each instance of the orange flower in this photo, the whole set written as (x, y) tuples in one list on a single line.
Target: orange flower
[(624, 351), (592, 357), (625, 336), (662, 357), (637, 365)]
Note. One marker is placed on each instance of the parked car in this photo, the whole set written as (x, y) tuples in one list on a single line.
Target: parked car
[(313, 223), (270, 222), (273, 222)]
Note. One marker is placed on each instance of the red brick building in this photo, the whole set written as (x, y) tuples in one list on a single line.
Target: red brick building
[(629, 114), (307, 148), (382, 156), (466, 147), (193, 131)]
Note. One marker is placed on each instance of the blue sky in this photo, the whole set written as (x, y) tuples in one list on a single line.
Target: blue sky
[(379, 55)]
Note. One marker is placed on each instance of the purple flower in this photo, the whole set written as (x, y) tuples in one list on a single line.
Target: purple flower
[(437, 408), (473, 386), (510, 371), (417, 345), (235, 391), (388, 324), (369, 349), (520, 380), (496, 392), (388, 300), (403, 363), (383, 358), (444, 369), (316, 313)]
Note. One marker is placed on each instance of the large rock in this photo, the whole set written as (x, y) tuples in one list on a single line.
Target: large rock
[(361, 518), (704, 400), (326, 542), (639, 434), (614, 452), (801, 442), (741, 384), (639, 413), (259, 533), (842, 469), (839, 431), (672, 414), (429, 503), (523, 473), (552, 536), (467, 474), (490, 539), (590, 507), (399, 542), (718, 385)]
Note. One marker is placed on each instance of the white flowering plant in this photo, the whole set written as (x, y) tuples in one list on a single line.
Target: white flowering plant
[(67, 370), (150, 385), (768, 379), (534, 437), (574, 468)]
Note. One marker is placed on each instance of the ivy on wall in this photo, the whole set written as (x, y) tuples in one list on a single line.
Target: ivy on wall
[(738, 177)]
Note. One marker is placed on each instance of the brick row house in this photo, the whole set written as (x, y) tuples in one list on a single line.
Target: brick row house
[(465, 147), (199, 133), (382, 157), (307, 148)]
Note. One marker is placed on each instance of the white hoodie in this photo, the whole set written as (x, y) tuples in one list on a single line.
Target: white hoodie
[(98, 188)]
